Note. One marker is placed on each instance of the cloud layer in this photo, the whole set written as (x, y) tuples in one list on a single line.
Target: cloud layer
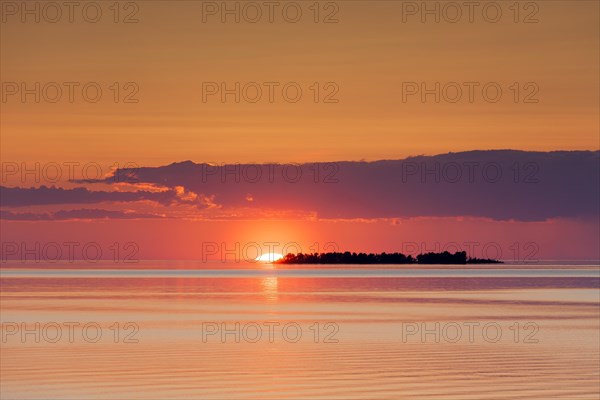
[(500, 185)]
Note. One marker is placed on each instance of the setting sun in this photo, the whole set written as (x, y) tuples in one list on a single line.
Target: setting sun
[(269, 257)]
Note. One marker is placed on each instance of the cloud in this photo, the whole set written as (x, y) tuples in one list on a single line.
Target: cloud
[(43, 195), (64, 215), (495, 184)]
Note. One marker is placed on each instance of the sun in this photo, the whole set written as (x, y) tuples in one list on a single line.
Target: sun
[(269, 257)]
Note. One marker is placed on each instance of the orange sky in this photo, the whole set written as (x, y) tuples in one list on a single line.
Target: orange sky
[(363, 65), (226, 240), (367, 54)]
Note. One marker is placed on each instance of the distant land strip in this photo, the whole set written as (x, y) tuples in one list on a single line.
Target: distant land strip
[(460, 257)]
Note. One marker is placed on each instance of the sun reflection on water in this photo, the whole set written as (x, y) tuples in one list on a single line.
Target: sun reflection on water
[(269, 288)]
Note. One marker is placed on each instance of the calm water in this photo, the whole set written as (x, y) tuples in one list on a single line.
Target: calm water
[(171, 330)]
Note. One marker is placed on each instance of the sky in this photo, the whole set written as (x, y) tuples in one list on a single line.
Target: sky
[(379, 80)]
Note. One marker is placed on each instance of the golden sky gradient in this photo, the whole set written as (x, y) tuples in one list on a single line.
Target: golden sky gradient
[(368, 54)]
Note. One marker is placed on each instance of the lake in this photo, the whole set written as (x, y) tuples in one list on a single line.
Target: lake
[(158, 330)]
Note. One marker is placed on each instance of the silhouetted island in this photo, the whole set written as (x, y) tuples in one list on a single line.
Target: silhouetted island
[(460, 257)]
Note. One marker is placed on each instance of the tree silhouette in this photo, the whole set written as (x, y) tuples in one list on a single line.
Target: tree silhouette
[(460, 257)]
